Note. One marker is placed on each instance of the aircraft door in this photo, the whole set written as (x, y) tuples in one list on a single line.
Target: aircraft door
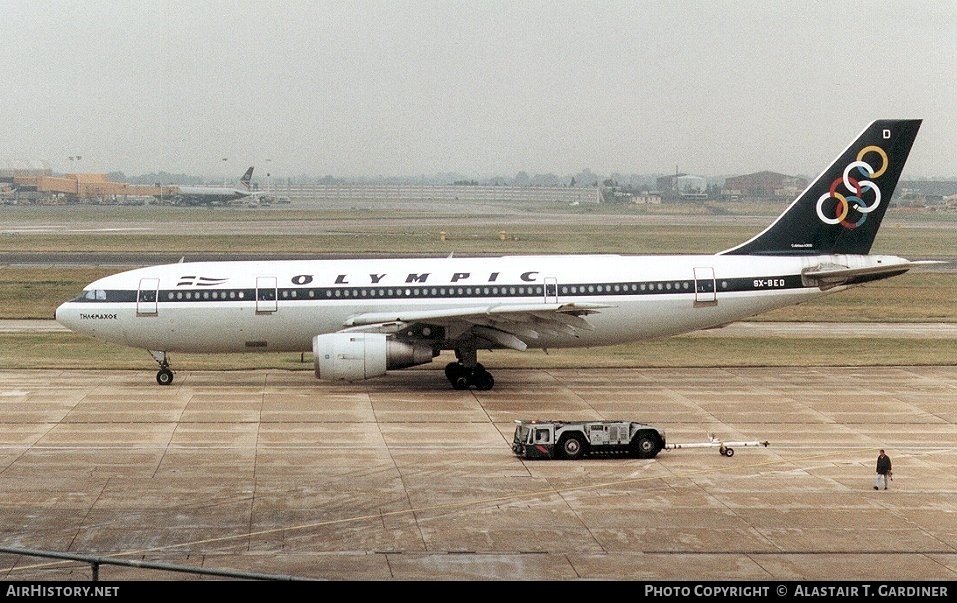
[(705, 292), (266, 295), (147, 296), (551, 290)]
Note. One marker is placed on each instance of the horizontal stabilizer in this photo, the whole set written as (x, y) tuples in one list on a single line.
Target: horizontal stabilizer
[(830, 275)]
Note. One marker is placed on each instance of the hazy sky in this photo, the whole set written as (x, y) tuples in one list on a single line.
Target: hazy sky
[(483, 87)]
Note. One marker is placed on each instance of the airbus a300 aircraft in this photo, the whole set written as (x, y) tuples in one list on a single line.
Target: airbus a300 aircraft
[(363, 317)]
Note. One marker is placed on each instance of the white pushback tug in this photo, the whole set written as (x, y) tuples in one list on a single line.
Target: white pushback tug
[(575, 439)]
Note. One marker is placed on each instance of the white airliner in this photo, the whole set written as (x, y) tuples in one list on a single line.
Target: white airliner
[(213, 195), (362, 317)]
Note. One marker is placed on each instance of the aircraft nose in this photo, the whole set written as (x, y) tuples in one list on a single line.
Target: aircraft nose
[(65, 316)]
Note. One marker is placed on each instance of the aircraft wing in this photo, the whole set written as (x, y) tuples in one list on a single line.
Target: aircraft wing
[(508, 325)]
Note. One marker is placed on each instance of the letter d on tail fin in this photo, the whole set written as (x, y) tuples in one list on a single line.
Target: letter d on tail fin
[(842, 209)]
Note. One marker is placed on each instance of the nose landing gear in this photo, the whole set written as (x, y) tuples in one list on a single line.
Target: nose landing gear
[(165, 375)]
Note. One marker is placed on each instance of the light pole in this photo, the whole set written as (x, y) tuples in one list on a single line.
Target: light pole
[(76, 159)]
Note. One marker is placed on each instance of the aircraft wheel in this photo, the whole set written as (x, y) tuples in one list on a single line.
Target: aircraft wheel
[(164, 376), (457, 375), (482, 380), (729, 452), (452, 370)]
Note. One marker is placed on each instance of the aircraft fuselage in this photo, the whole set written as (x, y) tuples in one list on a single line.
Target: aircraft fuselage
[(282, 305)]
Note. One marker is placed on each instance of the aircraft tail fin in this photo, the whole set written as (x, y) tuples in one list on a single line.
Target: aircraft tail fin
[(246, 180), (840, 212)]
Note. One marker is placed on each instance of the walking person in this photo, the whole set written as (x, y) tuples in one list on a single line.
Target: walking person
[(883, 470)]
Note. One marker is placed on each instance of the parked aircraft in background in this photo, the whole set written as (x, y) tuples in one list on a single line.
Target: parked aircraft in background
[(362, 317), (212, 195)]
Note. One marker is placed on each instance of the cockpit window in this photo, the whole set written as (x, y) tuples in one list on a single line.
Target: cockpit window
[(91, 295)]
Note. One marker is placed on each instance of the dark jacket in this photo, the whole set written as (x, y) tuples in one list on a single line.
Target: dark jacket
[(883, 464)]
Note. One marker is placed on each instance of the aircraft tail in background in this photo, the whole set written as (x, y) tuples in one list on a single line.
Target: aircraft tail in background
[(247, 178)]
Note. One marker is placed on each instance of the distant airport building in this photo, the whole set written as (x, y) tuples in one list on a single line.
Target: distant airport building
[(926, 191), (11, 170), (646, 199), (764, 185), (614, 194), (683, 186), (75, 188)]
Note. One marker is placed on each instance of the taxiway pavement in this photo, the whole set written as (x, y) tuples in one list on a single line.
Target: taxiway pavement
[(402, 478)]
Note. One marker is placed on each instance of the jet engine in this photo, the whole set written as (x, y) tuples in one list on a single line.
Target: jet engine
[(356, 356)]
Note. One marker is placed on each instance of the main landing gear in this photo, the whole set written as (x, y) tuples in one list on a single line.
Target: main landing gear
[(468, 372), (165, 375), (462, 377)]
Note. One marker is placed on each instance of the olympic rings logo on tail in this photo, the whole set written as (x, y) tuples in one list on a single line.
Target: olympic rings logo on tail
[(857, 188)]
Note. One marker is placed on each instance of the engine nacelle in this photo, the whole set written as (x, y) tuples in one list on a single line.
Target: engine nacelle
[(357, 356)]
